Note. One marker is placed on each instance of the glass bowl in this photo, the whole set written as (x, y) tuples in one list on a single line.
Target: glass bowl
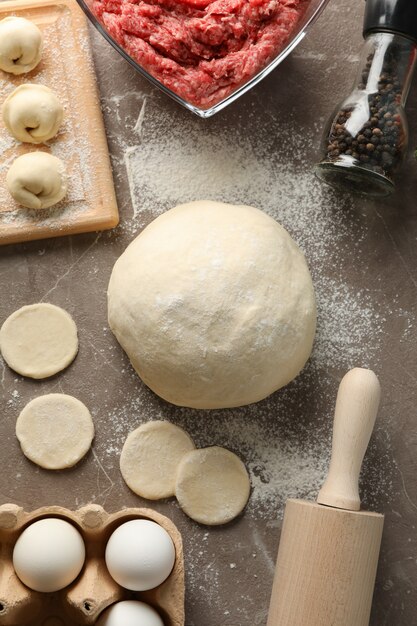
[(312, 11)]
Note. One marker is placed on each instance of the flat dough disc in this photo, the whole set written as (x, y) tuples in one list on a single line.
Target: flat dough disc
[(150, 458), (212, 485), (55, 431), (39, 340)]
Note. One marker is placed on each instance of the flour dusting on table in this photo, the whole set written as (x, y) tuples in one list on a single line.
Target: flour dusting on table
[(174, 158), (284, 440)]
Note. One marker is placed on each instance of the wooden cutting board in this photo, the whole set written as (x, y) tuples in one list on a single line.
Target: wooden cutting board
[(67, 68)]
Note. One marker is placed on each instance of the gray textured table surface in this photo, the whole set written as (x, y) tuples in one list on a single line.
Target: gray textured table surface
[(364, 262)]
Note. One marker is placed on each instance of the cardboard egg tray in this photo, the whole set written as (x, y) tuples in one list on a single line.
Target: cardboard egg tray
[(94, 590)]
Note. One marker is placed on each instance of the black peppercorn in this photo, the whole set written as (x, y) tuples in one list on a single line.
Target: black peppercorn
[(368, 131)]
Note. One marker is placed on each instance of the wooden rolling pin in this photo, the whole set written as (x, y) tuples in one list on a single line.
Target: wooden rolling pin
[(328, 554)]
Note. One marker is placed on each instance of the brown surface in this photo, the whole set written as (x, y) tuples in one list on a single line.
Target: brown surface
[(94, 590), (66, 47), (377, 256)]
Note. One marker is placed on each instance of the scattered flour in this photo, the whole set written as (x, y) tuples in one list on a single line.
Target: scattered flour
[(172, 157), (175, 158)]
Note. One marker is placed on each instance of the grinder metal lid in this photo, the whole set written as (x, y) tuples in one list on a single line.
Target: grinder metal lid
[(394, 16)]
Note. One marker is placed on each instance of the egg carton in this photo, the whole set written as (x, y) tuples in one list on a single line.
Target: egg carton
[(94, 590)]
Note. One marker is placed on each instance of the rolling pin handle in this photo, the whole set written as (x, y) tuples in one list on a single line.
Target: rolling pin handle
[(356, 409)]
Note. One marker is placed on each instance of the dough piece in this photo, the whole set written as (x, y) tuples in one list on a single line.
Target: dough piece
[(39, 340), (32, 113), (21, 44), (37, 180), (214, 305), (212, 485), (55, 431), (150, 458)]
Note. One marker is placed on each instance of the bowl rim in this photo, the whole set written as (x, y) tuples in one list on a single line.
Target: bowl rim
[(259, 76)]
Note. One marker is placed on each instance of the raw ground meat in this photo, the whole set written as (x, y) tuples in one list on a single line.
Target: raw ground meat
[(199, 49)]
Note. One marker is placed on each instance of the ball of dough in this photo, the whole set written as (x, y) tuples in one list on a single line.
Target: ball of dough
[(55, 431), (32, 113), (214, 305), (39, 340), (212, 485), (21, 44), (37, 180), (150, 458)]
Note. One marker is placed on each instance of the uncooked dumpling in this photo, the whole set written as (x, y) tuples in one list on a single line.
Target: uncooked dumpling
[(212, 485), (150, 458), (39, 340), (37, 180), (32, 113), (55, 431), (214, 305), (20, 45)]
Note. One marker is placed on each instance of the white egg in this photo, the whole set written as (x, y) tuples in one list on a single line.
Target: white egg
[(130, 613), (49, 555), (140, 555)]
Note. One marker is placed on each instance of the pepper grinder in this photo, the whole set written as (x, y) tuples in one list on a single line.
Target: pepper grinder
[(366, 140)]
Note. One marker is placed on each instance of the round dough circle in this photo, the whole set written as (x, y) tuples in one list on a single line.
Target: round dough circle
[(39, 340), (150, 458), (212, 485), (37, 180), (32, 113), (55, 431), (21, 44), (214, 305)]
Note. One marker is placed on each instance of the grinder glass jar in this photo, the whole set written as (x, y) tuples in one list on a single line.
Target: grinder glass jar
[(366, 140)]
